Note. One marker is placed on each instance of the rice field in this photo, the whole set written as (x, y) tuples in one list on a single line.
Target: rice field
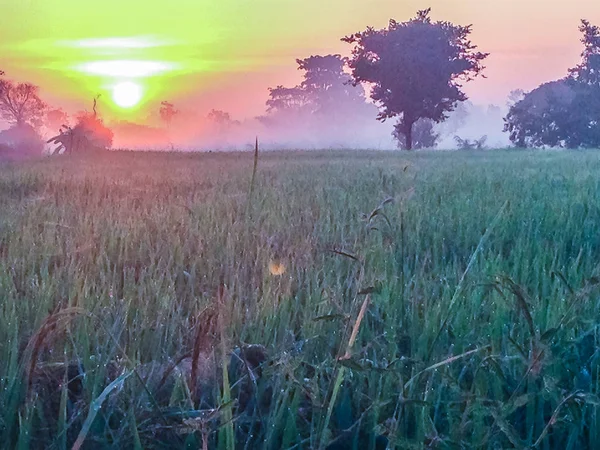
[(328, 300)]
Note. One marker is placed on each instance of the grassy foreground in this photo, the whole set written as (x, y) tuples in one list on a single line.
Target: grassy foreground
[(356, 300)]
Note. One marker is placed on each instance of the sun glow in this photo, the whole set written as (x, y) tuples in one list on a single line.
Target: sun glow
[(126, 68), (127, 94)]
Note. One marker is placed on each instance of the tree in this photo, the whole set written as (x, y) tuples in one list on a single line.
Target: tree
[(424, 135), (221, 120), (566, 112), (20, 103), (468, 144), (167, 112), (56, 118), (327, 87), (286, 101), (514, 97), (588, 71), (563, 113), (326, 92), (88, 135), (415, 69)]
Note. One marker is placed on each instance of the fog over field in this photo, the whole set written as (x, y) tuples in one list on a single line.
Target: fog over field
[(193, 132)]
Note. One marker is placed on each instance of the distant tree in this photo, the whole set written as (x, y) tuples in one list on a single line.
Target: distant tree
[(327, 87), (468, 144), (562, 113), (284, 101), (220, 117), (56, 118), (167, 112), (424, 135), (415, 69), (20, 103), (326, 93), (566, 112), (221, 120)]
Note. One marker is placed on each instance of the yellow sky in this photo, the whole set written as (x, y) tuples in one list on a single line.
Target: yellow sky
[(224, 54)]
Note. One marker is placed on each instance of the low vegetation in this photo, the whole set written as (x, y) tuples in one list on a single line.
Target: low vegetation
[(329, 300)]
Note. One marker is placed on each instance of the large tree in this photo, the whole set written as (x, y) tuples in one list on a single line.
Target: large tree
[(327, 87), (20, 103), (415, 69), (561, 113), (325, 93), (566, 112)]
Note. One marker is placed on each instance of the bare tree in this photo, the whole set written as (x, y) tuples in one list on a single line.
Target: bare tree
[(20, 103)]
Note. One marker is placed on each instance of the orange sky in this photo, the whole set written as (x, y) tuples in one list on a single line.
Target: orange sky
[(224, 54)]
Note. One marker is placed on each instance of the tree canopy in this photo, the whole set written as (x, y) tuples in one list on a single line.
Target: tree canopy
[(20, 103), (566, 112), (588, 71), (415, 69), (326, 90)]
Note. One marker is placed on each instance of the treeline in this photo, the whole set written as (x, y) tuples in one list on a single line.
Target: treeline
[(413, 72)]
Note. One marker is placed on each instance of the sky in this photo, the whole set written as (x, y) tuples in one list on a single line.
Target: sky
[(224, 54)]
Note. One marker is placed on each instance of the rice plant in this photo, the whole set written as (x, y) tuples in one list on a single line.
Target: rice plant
[(301, 300)]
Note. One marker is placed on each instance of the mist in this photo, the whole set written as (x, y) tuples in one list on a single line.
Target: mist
[(191, 131)]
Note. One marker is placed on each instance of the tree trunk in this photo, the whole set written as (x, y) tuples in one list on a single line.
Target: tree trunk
[(408, 135)]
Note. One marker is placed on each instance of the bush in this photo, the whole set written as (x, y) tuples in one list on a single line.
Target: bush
[(21, 140), (88, 135)]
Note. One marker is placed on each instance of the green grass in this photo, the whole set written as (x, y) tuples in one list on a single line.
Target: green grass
[(481, 329)]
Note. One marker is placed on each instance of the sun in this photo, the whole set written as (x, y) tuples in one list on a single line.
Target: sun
[(127, 94)]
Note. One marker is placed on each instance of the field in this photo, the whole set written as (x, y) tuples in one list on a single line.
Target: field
[(334, 300)]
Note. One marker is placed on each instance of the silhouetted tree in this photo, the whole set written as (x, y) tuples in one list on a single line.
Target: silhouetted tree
[(20, 103), (468, 144), (328, 88), (221, 120), (563, 113), (325, 93), (167, 112), (284, 100), (415, 68)]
